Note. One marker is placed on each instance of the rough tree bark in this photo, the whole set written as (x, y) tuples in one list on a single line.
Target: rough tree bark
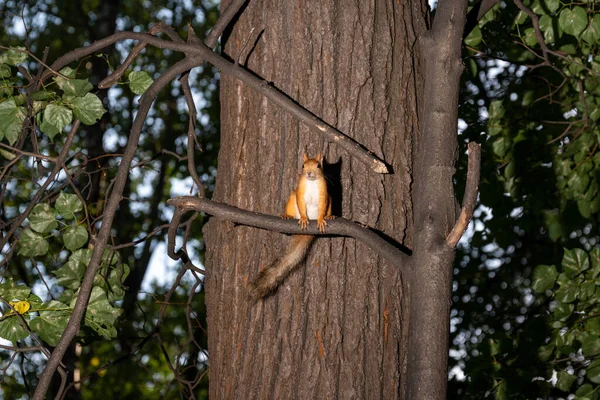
[(338, 326), (434, 203)]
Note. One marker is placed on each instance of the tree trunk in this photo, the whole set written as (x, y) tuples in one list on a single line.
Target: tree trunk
[(337, 327)]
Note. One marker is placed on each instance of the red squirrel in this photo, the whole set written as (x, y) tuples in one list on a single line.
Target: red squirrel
[(310, 200)]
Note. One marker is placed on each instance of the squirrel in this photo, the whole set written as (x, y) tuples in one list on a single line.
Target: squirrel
[(310, 200)]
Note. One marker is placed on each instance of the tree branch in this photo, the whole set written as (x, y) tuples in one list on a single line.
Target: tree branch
[(434, 206), (394, 253), (476, 13), (260, 85), (470, 196)]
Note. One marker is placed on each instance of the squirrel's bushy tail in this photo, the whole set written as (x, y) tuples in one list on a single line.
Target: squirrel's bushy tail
[(270, 277)]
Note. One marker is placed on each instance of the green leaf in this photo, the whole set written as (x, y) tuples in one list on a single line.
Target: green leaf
[(32, 244), (71, 273), (68, 72), (116, 278), (548, 28), (59, 116), (567, 294), (474, 37), (140, 81), (554, 224), (521, 18), (552, 5), (501, 146), (7, 154), (501, 391), (51, 322), (43, 218), (592, 34), (75, 237), (565, 380), (11, 120), (11, 329), (586, 391), (100, 315), (595, 258), (539, 7), (544, 352), (73, 87), (11, 291), (496, 110), (82, 256), (587, 290), (578, 181), (590, 345), (573, 21), (593, 325), (584, 208), (563, 311), (34, 300), (529, 37), (574, 262), (48, 129), (68, 204), (43, 95), (5, 71), (494, 129), (544, 277), (88, 109), (14, 56), (593, 371), (67, 296)]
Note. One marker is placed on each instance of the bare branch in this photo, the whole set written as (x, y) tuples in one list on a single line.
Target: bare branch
[(226, 16), (26, 153), (191, 133), (477, 12), (536, 27), (114, 77), (201, 51), (470, 196), (394, 253)]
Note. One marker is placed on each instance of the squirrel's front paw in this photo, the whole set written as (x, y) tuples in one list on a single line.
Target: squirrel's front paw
[(322, 223), (303, 222)]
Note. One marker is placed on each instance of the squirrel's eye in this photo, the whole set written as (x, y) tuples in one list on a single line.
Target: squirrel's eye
[(319, 165), (302, 166)]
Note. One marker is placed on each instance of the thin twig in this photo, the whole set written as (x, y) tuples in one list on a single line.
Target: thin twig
[(470, 196), (57, 167)]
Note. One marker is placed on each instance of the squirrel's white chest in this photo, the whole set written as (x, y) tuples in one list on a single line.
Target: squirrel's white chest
[(311, 199)]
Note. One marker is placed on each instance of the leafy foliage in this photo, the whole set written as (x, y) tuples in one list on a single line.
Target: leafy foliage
[(50, 318), (523, 323), (50, 251)]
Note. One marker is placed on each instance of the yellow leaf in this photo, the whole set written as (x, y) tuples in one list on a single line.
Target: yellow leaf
[(20, 306)]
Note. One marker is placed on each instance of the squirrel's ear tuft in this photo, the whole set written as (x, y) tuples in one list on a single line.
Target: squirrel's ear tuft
[(305, 157), (319, 157)]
